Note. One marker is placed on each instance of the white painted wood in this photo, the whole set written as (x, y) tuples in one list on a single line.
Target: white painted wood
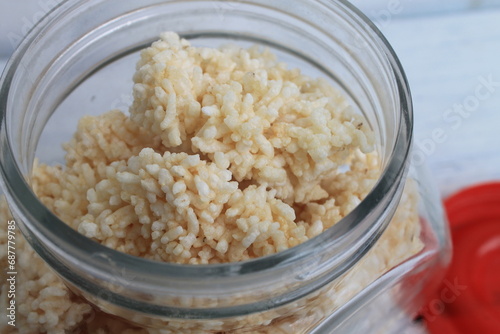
[(17, 17), (379, 10), (445, 58)]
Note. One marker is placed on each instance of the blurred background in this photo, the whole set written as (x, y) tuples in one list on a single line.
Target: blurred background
[(450, 51)]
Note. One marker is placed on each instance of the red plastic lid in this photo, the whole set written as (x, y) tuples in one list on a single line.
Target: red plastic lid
[(469, 298)]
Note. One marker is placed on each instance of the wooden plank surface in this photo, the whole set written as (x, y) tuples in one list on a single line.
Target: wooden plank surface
[(453, 66)]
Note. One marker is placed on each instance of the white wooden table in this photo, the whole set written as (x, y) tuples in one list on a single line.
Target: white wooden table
[(448, 57)]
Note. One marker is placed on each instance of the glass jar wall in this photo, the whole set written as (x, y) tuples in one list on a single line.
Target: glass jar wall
[(80, 60)]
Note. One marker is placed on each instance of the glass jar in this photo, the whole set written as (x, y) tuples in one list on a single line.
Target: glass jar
[(80, 60)]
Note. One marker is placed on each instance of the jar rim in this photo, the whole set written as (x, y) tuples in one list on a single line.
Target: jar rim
[(80, 248)]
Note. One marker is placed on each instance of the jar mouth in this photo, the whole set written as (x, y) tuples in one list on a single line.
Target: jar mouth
[(46, 232)]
